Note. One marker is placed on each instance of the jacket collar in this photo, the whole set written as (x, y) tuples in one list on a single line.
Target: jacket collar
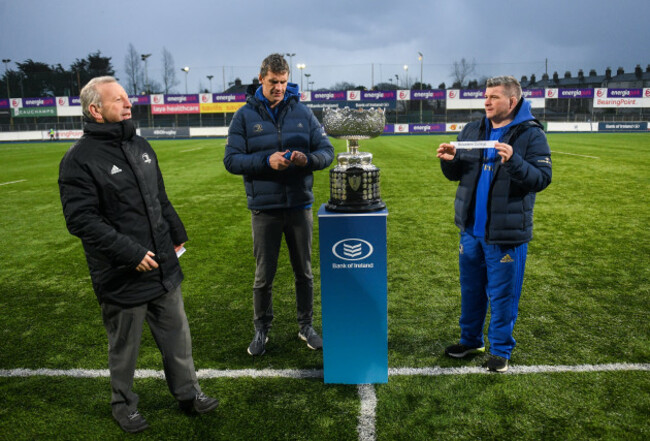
[(119, 131)]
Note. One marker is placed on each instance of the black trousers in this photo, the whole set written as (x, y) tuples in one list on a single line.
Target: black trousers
[(268, 228)]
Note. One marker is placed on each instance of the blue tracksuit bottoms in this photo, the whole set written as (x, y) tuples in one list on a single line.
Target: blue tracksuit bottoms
[(490, 275)]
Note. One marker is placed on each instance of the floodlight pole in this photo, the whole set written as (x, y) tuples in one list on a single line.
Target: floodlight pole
[(420, 57), (185, 69), (308, 75), (210, 78), (301, 66), (11, 117), (146, 75), (290, 65)]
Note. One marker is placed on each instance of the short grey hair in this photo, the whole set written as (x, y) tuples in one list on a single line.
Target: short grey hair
[(90, 95), (274, 63), (509, 83)]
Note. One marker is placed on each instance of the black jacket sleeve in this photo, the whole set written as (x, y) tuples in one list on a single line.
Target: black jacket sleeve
[(83, 218)]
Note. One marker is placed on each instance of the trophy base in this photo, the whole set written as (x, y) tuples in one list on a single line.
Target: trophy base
[(355, 208), (355, 189)]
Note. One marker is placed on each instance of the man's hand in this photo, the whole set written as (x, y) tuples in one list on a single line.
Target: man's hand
[(148, 263), (446, 152), (299, 158), (277, 161), (504, 150)]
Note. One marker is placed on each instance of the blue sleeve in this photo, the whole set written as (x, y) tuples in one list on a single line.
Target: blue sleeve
[(236, 158), (321, 152), (530, 165)]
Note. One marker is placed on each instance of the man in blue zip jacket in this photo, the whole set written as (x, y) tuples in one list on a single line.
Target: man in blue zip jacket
[(494, 211), (276, 143)]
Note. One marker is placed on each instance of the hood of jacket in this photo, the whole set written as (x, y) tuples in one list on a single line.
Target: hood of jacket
[(523, 113)]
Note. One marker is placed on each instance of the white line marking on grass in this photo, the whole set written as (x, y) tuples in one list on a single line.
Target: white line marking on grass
[(13, 182), (366, 426), (191, 150), (539, 369), (150, 373), (318, 373), (575, 154), (260, 373)]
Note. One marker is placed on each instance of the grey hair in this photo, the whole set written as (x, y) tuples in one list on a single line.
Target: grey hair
[(274, 63), (509, 83), (90, 95)]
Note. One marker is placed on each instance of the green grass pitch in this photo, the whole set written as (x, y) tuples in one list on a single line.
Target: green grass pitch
[(586, 300)]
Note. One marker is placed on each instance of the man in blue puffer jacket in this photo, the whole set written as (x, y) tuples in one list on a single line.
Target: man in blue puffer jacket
[(494, 211), (276, 143)]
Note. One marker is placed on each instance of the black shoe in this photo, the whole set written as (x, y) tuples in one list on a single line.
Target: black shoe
[(201, 404), (257, 345), (460, 350), (133, 423), (497, 364), (313, 340)]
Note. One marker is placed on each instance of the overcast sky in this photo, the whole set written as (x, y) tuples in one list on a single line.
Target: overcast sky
[(358, 41)]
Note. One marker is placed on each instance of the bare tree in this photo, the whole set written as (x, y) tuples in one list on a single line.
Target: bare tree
[(344, 85), (461, 70), (133, 69), (169, 71)]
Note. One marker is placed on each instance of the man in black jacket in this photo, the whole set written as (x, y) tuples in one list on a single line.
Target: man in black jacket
[(494, 211), (114, 200)]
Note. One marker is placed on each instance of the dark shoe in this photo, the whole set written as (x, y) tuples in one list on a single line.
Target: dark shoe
[(497, 364), (133, 423), (460, 350), (257, 345), (201, 404), (313, 340)]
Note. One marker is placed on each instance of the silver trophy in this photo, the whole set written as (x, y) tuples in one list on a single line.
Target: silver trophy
[(354, 182)]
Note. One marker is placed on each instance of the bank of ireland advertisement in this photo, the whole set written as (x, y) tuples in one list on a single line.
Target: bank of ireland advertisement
[(354, 296)]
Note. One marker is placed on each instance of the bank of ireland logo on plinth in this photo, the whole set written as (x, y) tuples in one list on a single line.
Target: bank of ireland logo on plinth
[(352, 249)]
